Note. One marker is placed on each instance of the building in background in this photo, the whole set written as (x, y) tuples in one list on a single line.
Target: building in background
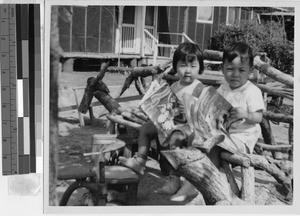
[(131, 35)]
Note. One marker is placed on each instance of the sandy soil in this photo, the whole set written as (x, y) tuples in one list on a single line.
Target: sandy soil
[(72, 138)]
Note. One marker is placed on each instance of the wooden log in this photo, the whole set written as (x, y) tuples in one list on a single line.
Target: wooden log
[(140, 114), (54, 132), (248, 184), (270, 165), (208, 144), (130, 116), (137, 72), (126, 85), (139, 86), (230, 178), (278, 117), (93, 84), (213, 55), (198, 169), (103, 70), (266, 131), (280, 148), (235, 159), (107, 101), (140, 71), (273, 72), (286, 93), (119, 119), (261, 162), (285, 165)]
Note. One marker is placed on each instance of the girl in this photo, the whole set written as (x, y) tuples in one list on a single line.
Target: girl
[(187, 63)]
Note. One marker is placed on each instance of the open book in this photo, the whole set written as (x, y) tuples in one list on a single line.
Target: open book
[(204, 112), (161, 106)]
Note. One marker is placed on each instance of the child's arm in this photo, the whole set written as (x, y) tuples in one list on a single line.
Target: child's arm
[(251, 117)]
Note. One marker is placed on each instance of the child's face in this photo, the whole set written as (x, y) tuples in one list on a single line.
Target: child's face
[(187, 71), (236, 73)]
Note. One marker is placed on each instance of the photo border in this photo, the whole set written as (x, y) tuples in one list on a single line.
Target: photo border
[(290, 209)]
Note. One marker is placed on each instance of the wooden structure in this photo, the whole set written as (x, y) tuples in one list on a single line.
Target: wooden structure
[(133, 35)]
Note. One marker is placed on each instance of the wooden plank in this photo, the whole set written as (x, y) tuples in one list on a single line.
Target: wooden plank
[(97, 55), (248, 185)]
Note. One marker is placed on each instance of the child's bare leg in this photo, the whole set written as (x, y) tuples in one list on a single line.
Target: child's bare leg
[(137, 163), (177, 140), (148, 132)]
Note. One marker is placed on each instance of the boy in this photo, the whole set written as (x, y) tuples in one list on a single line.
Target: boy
[(243, 95)]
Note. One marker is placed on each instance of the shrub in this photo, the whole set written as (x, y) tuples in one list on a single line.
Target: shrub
[(266, 37)]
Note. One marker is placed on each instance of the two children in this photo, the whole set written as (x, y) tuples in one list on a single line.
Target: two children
[(244, 96)]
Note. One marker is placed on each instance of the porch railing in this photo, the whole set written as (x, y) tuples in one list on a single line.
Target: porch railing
[(152, 43), (127, 36)]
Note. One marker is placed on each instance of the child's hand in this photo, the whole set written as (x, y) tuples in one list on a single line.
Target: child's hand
[(238, 113)]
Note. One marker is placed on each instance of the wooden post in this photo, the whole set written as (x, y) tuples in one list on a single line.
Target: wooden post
[(186, 19), (53, 145), (198, 169), (248, 184), (230, 178), (266, 131), (80, 117), (120, 22), (273, 72), (91, 112)]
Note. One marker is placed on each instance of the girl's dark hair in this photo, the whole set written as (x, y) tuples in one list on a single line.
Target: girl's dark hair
[(238, 49), (188, 52)]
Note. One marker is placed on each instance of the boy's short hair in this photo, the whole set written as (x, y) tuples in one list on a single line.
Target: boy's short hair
[(188, 52), (240, 49)]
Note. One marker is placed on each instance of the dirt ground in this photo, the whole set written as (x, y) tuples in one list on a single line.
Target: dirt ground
[(74, 138)]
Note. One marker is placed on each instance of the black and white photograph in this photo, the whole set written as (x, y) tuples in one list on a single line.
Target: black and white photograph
[(149, 107), (171, 105)]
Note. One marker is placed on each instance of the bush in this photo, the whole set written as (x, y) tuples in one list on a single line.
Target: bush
[(267, 37)]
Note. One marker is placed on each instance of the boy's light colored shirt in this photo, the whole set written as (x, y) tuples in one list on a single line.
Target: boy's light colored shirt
[(248, 97)]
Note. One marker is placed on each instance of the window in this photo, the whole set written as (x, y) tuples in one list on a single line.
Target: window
[(205, 14), (129, 14), (233, 15), (149, 19)]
